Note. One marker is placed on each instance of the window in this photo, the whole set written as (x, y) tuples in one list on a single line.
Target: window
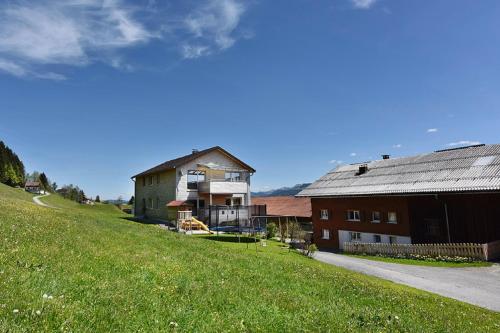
[(194, 177), (355, 236), (375, 217), (377, 238), (353, 215), (157, 203), (150, 203), (323, 214), (392, 217), (232, 176), (326, 234), (143, 181), (393, 240), (150, 180)]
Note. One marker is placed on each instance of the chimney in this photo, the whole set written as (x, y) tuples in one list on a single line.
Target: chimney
[(363, 168), (194, 151), (386, 157)]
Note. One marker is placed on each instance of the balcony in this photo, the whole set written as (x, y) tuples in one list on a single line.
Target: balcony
[(222, 186)]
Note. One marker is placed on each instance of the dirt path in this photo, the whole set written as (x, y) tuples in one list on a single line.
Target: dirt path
[(40, 203), (475, 285)]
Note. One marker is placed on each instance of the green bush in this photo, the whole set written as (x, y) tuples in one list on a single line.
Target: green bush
[(271, 230)]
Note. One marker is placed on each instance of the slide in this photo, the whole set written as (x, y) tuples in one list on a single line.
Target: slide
[(203, 225)]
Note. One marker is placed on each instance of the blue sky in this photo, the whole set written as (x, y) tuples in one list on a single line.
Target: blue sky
[(94, 91)]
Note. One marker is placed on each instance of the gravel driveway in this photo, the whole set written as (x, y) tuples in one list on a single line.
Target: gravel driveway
[(475, 285)]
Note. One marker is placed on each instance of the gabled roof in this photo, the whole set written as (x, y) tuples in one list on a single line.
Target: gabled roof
[(172, 164), (285, 205), (32, 184), (467, 169)]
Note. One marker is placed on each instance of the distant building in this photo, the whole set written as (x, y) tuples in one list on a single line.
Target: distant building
[(210, 177), (296, 209), (33, 187), (448, 196)]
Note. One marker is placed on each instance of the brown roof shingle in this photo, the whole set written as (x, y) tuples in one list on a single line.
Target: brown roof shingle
[(285, 205)]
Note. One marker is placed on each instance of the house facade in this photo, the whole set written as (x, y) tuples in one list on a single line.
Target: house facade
[(192, 182), (448, 196), (33, 187)]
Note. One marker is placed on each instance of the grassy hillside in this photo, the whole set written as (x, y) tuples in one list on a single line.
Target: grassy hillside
[(101, 272)]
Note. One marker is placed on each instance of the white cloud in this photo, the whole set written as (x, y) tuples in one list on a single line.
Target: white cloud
[(363, 4), (397, 145), (352, 154), (212, 26), (81, 32), (463, 143), (432, 130), (65, 32), (336, 162)]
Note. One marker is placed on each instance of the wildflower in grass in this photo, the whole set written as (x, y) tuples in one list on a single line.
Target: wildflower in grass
[(45, 296), (38, 312), (15, 311), (173, 324)]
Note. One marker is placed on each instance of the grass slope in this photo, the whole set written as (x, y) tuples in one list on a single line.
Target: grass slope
[(101, 272)]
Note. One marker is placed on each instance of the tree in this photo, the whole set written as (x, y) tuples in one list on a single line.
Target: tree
[(11, 168), (131, 201), (54, 186), (97, 198), (44, 182)]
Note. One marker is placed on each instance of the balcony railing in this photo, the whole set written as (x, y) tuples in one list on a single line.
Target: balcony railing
[(222, 186)]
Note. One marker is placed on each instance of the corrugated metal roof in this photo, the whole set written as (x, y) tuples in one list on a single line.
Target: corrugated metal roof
[(474, 168)]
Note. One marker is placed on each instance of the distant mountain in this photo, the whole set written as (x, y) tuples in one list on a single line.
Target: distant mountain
[(282, 191)]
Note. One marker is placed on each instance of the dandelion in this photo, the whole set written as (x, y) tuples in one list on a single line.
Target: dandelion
[(173, 324), (45, 296), (15, 311), (396, 317), (50, 297), (38, 312)]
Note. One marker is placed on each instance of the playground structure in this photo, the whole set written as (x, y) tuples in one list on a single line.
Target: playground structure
[(186, 222)]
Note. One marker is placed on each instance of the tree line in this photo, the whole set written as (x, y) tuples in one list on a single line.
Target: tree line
[(12, 173), (11, 167)]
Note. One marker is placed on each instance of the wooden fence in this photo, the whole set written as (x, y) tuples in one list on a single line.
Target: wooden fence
[(486, 252)]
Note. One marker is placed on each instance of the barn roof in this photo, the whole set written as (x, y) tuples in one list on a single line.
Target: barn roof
[(172, 164), (285, 205), (466, 169)]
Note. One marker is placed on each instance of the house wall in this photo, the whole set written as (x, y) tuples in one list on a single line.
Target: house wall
[(215, 157), (337, 220), (164, 190)]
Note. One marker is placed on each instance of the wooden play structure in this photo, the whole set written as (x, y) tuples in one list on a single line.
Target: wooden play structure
[(186, 222)]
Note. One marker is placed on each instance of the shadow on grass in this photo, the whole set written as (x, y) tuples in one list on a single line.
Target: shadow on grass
[(146, 221), (231, 239)]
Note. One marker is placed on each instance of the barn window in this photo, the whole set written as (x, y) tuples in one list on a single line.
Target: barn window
[(375, 217), (392, 217), (353, 215), (325, 234), (323, 214), (355, 236)]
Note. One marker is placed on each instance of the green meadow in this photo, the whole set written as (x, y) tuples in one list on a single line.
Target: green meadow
[(81, 268)]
